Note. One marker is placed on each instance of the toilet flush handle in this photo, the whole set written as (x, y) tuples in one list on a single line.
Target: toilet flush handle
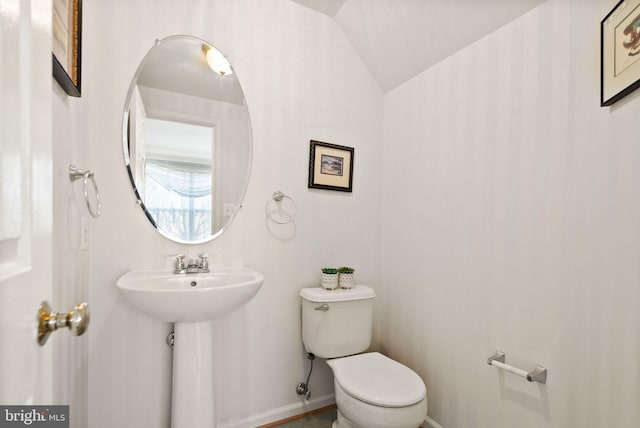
[(324, 307)]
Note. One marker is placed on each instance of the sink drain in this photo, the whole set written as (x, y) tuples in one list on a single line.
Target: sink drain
[(193, 283)]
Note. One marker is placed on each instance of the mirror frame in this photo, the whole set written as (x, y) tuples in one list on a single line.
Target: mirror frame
[(127, 159)]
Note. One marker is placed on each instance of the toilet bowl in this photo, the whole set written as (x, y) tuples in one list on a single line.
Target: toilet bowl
[(374, 391)]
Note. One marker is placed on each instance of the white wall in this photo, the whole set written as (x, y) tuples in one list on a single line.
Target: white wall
[(70, 260), (510, 221), (302, 81), (509, 216)]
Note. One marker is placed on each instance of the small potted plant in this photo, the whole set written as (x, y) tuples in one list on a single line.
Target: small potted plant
[(329, 278), (345, 275)]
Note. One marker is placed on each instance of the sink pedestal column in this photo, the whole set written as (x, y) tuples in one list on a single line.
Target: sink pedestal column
[(193, 401)]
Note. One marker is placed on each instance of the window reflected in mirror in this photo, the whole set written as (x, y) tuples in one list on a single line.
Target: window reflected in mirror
[(178, 182)]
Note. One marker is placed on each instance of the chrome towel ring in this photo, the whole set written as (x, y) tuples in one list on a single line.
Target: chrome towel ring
[(76, 173), (276, 210)]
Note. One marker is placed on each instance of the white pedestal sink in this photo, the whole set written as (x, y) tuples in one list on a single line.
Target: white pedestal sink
[(191, 301)]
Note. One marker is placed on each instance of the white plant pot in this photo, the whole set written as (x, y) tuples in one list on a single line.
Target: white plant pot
[(346, 280), (329, 281)]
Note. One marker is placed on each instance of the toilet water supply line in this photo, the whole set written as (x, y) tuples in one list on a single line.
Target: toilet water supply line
[(303, 387)]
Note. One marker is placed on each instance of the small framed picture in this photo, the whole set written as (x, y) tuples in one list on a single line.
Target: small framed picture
[(67, 44), (330, 167), (620, 50)]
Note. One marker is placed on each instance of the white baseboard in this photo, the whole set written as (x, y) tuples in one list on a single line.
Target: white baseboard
[(430, 423), (283, 412), (295, 409)]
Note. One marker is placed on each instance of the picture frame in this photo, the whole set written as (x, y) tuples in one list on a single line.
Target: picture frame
[(67, 45), (620, 52), (330, 166)]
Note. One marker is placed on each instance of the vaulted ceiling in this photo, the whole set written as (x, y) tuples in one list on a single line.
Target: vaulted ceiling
[(398, 39)]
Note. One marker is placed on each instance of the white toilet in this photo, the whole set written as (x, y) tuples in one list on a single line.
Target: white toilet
[(372, 391)]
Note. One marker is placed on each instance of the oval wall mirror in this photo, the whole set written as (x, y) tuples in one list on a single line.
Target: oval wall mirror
[(187, 139)]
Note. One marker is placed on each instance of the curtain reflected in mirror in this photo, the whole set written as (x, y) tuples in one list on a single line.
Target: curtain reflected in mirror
[(178, 197)]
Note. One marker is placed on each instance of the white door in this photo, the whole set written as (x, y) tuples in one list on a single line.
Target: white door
[(137, 151), (25, 199)]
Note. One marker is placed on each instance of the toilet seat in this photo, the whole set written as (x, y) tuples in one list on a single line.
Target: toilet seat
[(378, 380)]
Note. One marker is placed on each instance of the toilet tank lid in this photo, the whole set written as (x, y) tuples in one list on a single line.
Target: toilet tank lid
[(319, 294)]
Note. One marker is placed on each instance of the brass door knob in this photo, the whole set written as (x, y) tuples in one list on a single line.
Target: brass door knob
[(76, 319)]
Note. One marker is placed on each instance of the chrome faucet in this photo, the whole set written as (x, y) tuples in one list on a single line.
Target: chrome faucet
[(194, 266)]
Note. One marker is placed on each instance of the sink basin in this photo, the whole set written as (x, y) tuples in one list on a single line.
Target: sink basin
[(189, 297)]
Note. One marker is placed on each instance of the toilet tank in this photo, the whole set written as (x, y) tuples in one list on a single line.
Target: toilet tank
[(339, 322)]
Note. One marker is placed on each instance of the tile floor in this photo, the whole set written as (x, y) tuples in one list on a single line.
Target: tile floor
[(319, 420)]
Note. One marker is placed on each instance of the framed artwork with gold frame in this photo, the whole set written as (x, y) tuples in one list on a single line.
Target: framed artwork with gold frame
[(620, 49), (330, 167), (67, 44)]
